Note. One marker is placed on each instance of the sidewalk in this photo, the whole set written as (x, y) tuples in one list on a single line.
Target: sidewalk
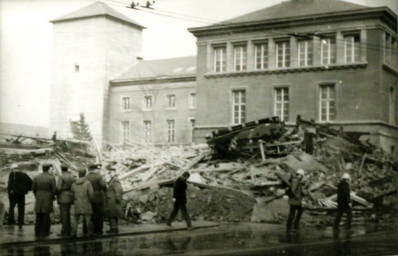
[(12, 235)]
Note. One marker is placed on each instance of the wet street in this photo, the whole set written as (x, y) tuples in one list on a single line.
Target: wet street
[(226, 239)]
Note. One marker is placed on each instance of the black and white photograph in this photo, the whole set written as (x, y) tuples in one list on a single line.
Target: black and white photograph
[(198, 127)]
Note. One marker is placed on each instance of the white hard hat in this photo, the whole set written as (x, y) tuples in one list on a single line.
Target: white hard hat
[(346, 176), (14, 166), (301, 172)]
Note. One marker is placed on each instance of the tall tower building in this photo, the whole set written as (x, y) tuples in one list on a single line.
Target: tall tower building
[(91, 46)]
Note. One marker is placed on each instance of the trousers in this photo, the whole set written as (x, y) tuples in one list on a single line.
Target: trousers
[(340, 211), (64, 210), (18, 200), (42, 225), (295, 213), (179, 206)]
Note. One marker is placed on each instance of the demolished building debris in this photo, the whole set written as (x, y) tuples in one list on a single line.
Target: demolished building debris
[(242, 173)]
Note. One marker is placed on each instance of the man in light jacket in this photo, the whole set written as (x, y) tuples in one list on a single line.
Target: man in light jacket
[(343, 201), (295, 201), (82, 192)]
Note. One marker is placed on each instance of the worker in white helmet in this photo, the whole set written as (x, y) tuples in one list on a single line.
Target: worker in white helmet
[(295, 201), (343, 201)]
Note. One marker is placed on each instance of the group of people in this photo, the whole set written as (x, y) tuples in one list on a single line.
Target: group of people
[(92, 197), (295, 193)]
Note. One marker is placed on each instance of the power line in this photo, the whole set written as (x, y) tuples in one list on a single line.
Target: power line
[(277, 32)]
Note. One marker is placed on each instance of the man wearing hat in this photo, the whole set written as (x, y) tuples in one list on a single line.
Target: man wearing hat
[(19, 184), (113, 199), (65, 199), (97, 202), (180, 200), (295, 201), (343, 201), (44, 188)]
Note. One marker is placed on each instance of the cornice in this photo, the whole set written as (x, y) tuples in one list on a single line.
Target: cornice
[(287, 70), (153, 80), (390, 69), (380, 12)]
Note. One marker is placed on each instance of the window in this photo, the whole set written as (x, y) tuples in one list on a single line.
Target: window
[(327, 102), (220, 59), (125, 126), (171, 101), (390, 52), (239, 106), (147, 131), (192, 100), (191, 127), (281, 107), (328, 50), (392, 106), (171, 132), (125, 103), (282, 54), (147, 102), (261, 55), (352, 48), (240, 54), (304, 53)]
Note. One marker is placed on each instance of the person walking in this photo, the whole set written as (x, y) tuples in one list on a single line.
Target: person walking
[(343, 201), (97, 203), (19, 184), (82, 194), (113, 199), (295, 201), (44, 188), (180, 200), (65, 199)]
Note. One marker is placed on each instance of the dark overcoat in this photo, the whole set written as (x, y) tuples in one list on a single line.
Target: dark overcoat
[(64, 187), (343, 194), (113, 198), (180, 190), (44, 188), (99, 186), (296, 192)]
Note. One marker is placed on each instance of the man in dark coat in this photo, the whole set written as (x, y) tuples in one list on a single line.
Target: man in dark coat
[(295, 201), (97, 202), (343, 201), (19, 184), (65, 199), (113, 200), (44, 188), (180, 200)]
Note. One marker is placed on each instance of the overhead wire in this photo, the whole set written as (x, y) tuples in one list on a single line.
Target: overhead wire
[(165, 13)]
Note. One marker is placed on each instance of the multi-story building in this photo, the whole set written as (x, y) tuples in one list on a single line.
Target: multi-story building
[(154, 102), (327, 60), (91, 46)]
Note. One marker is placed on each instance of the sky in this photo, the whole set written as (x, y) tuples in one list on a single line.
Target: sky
[(26, 42)]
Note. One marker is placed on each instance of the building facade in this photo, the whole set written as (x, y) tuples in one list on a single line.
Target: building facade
[(154, 103), (331, 61), (91, 46)]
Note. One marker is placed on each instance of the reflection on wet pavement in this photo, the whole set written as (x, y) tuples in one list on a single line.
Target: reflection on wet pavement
[(226, 240)]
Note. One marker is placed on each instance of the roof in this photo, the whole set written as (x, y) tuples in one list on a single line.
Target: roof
[(96, 9), (161, 68), (296, 8)]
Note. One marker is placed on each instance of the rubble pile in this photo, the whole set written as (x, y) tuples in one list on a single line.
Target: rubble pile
[(32, 152), (253, 163)]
